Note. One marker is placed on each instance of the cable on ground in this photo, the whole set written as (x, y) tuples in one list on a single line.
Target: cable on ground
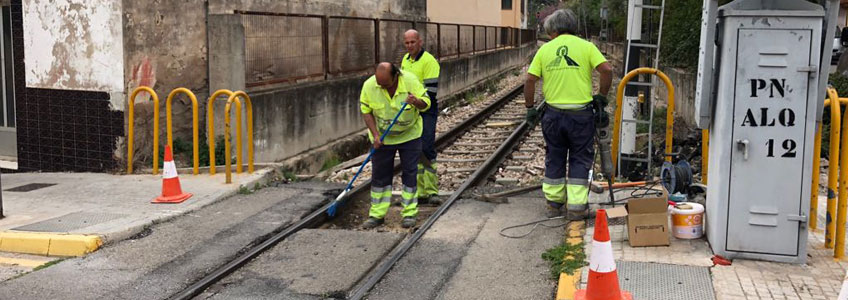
[(535, 225)]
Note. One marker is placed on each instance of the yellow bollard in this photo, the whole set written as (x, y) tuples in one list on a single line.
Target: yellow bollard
[(705, 154), (193, 119), (814, 198), (832, 179), (842, 206), (210, 121), (227, 146), (130, 127), (248, 106), (669, 122)]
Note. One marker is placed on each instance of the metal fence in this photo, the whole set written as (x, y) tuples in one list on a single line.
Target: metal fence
[(286, 48)]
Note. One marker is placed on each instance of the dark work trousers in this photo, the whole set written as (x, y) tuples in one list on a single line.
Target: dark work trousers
[(569, 137), (382, 163), (428, 136)]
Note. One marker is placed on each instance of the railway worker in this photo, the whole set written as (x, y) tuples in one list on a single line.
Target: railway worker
[(565, 64), (421, 63), (381, 98)]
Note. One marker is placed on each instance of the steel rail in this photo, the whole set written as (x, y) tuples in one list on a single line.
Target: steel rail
[(482, 172), (320, 215)]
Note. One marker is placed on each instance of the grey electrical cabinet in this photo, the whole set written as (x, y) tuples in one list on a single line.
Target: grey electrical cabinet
[(762, 123)]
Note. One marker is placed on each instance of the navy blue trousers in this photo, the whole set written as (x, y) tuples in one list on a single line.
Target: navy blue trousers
[(428, 136), (382, 163)]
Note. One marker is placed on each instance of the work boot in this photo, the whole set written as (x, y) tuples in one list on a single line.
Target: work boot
[(372, 222), (554, 210), (577, 215), (408, 222), (434, 200)]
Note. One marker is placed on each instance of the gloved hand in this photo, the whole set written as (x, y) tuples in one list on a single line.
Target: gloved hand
[(599, 104), (600, 101), (532, 115)]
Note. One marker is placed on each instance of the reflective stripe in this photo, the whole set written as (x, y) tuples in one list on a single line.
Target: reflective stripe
[(578, 181), (431, 81), (380, 189), (169, 170), (433, 89), (410, 190), (381, 194), (552, 181), (602, 260), (406, 202), (568, 106)]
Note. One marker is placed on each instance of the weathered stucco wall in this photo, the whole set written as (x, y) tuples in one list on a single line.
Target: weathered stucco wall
[(74, 45), (165, 48)]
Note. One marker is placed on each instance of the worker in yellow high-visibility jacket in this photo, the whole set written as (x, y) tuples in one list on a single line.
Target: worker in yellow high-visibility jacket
[(381, 99), (421, 63), (566, 64)]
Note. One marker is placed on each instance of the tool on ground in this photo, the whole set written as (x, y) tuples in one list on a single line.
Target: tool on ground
[(171, 190), (331, 211), (603, 278), (601, 186), (499, 197), (603, 141)]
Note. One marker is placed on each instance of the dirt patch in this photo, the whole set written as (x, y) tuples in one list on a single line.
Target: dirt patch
[(356, 212)]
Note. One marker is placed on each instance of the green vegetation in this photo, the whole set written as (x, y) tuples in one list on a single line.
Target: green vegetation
[(243, 190), (332, 160), (183, 151), (48, 264), (565, 258)]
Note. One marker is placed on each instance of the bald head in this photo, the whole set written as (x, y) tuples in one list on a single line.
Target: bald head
[(412, 42), (386, 75)]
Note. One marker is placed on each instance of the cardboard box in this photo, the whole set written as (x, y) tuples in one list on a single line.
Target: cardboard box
[(647, 220)]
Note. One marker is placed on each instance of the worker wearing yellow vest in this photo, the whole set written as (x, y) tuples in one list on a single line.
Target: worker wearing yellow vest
[(381, 99), (565, 64), (421, 63)]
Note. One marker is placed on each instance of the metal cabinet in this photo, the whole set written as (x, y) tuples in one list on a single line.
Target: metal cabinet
[(762, 126)]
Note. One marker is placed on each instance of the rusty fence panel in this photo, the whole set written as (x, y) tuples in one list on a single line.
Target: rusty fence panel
[(391, 39), (289, 48), (449, 40), (351, 44), (281, 48), (466, 39)]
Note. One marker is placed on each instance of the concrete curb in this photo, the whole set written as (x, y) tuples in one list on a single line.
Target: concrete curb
[(568, 284), (69, 245), (49, 244)]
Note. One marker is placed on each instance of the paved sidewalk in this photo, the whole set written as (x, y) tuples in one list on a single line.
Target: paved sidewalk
[(114, 207), (820, 278)]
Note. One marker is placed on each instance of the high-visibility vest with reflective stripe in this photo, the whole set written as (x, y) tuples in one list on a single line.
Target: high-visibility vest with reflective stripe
[(376, 101)]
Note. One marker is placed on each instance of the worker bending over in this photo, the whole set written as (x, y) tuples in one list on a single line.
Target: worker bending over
[(565, 64), (381, 99), (424, 66)]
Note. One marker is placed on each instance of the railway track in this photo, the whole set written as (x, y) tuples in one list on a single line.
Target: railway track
[(470, 153)]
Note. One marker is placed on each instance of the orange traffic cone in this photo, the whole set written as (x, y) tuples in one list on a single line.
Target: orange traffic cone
[(603, 279), (171, 191)]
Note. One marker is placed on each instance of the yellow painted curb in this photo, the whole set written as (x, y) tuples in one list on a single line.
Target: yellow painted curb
[(52, 244), (568, 284), (29, 263)]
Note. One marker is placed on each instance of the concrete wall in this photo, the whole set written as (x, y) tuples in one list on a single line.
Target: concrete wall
[(396, 9), (293, 120), (74, 45), (684, 94), (485, 12)]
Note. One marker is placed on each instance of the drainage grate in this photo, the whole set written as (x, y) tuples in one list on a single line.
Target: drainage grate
[(70, 222), (29, 187), (664, 281), (611, 222)]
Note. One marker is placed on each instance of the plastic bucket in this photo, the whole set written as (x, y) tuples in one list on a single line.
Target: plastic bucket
[(687, 220)]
